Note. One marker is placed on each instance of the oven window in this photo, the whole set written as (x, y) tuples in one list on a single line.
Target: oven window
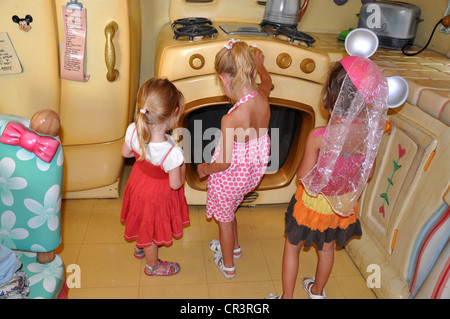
[(204, 128)]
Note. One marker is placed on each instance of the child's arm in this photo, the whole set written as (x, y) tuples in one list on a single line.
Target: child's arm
[(177, 176), (266, 81), (126, 151), (310, 156), (223, 161)]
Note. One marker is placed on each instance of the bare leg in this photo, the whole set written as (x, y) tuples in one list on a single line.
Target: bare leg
[(290, 267), (227, 243), (235, 234), (151, 255), (324, 267)]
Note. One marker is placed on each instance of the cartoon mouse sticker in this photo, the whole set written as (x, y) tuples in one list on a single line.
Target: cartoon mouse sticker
[(24, 23)]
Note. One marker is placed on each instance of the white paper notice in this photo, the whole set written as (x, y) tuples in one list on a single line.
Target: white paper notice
[(9, 61)]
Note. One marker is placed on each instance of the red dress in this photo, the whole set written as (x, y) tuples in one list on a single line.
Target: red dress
[(152, 211)]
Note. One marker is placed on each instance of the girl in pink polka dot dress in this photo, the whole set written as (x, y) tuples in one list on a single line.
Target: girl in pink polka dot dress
[(240, 160)]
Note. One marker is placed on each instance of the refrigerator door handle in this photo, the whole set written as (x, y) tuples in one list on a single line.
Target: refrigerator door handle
[(110, 51)]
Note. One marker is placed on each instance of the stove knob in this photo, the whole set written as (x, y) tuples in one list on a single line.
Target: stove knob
[(307, 65), (284, 60), (197, 61)]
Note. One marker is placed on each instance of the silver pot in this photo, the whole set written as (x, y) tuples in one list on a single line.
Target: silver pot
[(284, 12)]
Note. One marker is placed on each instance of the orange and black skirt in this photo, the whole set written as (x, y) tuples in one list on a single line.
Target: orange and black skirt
[(312, 220)]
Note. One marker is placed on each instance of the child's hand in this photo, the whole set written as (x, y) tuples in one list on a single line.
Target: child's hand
[(258, 57), (202, 170)]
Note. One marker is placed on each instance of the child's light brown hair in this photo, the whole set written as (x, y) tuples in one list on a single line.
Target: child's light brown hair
[(157, 102), (237, 62), (332, 86)]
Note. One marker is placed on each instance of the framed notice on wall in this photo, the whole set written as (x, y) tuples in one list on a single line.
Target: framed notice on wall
[(9, 61)]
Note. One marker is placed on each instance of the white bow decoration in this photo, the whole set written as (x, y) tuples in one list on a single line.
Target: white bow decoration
[(230, 43)]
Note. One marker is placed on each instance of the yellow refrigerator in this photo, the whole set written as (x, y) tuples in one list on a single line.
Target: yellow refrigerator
[(37, 47)]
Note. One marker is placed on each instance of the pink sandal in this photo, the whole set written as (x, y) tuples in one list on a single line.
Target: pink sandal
[(139, 252), (169, 270)]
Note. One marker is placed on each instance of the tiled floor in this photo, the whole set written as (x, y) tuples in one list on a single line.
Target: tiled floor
[(93, 239)]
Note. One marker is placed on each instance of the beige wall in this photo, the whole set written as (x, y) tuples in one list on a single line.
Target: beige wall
[(321, 16), (154, 14)]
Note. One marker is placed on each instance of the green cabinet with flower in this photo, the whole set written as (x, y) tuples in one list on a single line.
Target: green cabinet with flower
[(30, 204)]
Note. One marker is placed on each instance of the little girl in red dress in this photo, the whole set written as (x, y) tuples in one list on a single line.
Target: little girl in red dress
[(154, 206)]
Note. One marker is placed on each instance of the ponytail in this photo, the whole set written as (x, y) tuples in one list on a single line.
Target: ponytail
[(157, 101), (237, 62), (143, 132)]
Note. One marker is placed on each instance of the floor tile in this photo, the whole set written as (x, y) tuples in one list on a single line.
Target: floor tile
[(191, 259), (241, 290), (108, 265), (111, 228), (105, 293)]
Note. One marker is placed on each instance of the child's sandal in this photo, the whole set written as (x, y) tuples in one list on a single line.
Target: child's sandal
[(218, 260), (169, 270), (139, 252), (214, 245), (307, 284), (273, 296)]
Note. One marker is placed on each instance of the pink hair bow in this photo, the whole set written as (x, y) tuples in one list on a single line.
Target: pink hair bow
[(16, 134), (230, 43)]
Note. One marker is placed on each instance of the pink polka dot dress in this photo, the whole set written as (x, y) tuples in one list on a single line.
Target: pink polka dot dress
[(227, 189)]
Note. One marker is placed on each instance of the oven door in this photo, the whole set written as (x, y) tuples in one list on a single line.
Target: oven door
[(294, 112)]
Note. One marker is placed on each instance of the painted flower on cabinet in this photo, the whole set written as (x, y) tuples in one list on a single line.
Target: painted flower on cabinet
[(7, 231), (397, 166), (46, 212), (8, 182), (47, 273)]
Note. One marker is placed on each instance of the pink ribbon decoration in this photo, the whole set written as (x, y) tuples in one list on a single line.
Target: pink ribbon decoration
[(16, 134), (230, 43)]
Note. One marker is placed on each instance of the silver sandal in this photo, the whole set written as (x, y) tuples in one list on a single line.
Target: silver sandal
[(218, 260), (214, 245), (273, 296), (307, 284)]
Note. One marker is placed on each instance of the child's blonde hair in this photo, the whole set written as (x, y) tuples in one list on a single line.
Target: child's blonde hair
[(237, 62), (157, 101)]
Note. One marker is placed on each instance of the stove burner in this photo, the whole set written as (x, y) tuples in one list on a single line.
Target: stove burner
[(294, 34), (193, 31), (192, 21), (276, 26)]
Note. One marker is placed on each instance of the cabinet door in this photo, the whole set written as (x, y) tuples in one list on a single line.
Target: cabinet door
[(37, 86), (403, 154), (99, 110)]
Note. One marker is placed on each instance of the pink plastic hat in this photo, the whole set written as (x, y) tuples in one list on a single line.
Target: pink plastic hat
[(357, 72)]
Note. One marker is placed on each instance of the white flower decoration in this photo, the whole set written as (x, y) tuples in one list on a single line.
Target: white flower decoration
[(7, 233), (46, 272), (60, 159), (25, 155), (38, 248), (7, 182), (47, 212), (5, 119)]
